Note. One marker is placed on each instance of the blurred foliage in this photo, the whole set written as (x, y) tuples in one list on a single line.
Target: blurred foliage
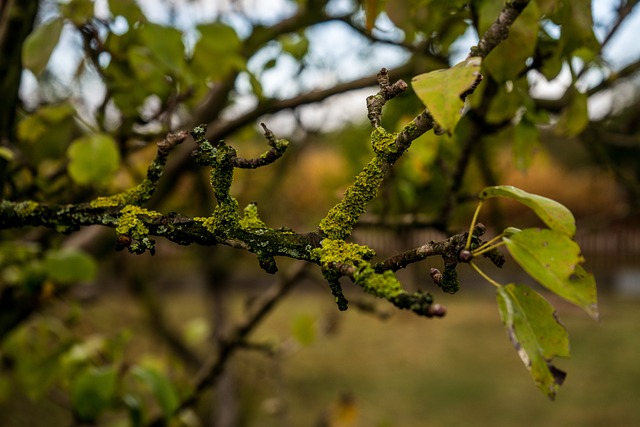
[(101, 83)]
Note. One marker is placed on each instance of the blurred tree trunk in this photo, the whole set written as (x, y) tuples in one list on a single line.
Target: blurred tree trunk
[(225, 404), (16, 22)]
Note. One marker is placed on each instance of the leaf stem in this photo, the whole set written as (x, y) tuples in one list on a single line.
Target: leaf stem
[(484, 247), (487, 278), (473, 223)]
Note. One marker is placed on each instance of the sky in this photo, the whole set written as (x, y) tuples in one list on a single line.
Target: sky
[(337, 52)]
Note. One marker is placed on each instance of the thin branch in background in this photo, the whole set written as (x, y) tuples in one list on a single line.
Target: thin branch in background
[(211, 371), (158, 322)]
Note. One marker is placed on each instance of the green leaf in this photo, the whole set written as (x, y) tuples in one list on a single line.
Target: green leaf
[(295, 44), (39, 45), (440, 91), (165, 45), (574, 117), (536, 333), (93, 159), (69, 266), (92, 391), (577, 26), (6, 154), (217, 52), (197, 331), (146, 68), (127, 9), (553, 259), (304, 330), (92, 347), (160, 386), (78, 11), (555, 215), (506, 102), (47, 132)]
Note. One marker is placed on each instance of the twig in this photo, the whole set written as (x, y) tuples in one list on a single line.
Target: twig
[(499, 29), (278, 147), (387, 91)]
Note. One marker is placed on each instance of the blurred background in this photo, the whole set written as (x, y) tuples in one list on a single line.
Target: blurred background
[(122, 336)]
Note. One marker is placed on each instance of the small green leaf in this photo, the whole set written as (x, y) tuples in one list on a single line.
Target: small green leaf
[(304, 330), (440, 91), (555, 215), (6, 154), (554, 259), (93, 159), (160, 386), (535, 332), (69, 266), (295, 44), (92, 392), (197, 331), (39, 45)]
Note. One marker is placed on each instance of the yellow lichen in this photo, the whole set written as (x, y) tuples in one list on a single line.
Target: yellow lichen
[(131, 225), (383, 142), (340, 251), (250, 219)]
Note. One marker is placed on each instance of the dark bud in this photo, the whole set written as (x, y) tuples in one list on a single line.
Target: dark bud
[(268, 264), (479, 229), (438, 130), (123, 241), (436, 276), (436, 310), (465, 255)]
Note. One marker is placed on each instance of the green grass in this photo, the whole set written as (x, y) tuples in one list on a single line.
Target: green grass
[(461, 370), (408, 371)]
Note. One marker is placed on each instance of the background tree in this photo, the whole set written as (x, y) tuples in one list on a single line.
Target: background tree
[(79, 150)]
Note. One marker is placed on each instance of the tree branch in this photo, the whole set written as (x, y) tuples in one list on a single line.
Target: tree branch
[(499, 29)]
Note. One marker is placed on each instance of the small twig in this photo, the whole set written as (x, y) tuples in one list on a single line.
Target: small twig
[(387, 91), (278, 147)]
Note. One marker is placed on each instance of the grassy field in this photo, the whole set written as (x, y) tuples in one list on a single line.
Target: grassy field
[(408, 371), (458, 371)]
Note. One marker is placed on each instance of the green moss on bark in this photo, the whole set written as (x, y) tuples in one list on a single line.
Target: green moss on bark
[(339, 251), (251, 220), (339, 222)]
